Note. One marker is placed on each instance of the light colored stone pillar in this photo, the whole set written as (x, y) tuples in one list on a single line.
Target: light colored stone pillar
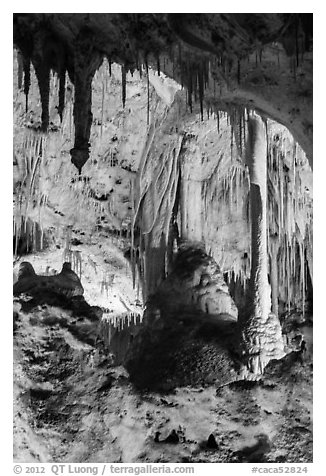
[(261, 330)]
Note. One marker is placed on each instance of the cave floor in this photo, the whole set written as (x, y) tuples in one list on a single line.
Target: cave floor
[(71, 404)]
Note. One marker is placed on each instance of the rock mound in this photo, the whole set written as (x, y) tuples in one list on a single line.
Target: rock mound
[(66, 283)]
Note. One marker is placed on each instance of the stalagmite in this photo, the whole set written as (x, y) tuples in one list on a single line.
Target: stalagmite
[(261, 330)]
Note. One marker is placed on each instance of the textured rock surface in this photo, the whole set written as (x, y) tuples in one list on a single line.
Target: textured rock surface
[(196, 281), (162, 162), (66, 282), (190, 173), (71, 405), (205, 52)]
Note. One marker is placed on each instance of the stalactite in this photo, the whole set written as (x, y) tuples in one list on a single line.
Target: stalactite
[(201, 91), (240, 133), (27, 79), (231, 141), (180, 64), (20, 72), (86, 63), (195, 86), (140, 67), (190, 87), (290, 217), (294, 68), (103, 103), (147, 73), (158, 65), (296, 40), (62, 90), (123, 81), (42, 71)]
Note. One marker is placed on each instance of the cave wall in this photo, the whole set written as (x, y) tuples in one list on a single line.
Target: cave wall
[(212, 207), (45, 181), (191, 176), (256, 60)]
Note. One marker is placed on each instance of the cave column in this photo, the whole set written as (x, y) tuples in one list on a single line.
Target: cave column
[(261, 330)]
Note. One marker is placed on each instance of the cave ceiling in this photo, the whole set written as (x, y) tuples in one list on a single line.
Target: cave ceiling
[(208, 54)]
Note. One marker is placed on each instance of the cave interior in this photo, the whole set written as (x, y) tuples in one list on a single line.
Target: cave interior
[(163, 197)]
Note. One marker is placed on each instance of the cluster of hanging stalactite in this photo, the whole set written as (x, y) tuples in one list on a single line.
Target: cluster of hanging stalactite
[(107, 283), (222, 193), (120, 321), (86, 199), (54, 84), (290, 217), (52, 63), (29, 201), (38, 159), (289, 214), (213, 206), (111, 325), (207, 65), (105, 71), (34, 168), (72, 256), (28, 237)]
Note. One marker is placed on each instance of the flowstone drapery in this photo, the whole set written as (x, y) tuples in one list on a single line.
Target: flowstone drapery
[(155, 196)]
